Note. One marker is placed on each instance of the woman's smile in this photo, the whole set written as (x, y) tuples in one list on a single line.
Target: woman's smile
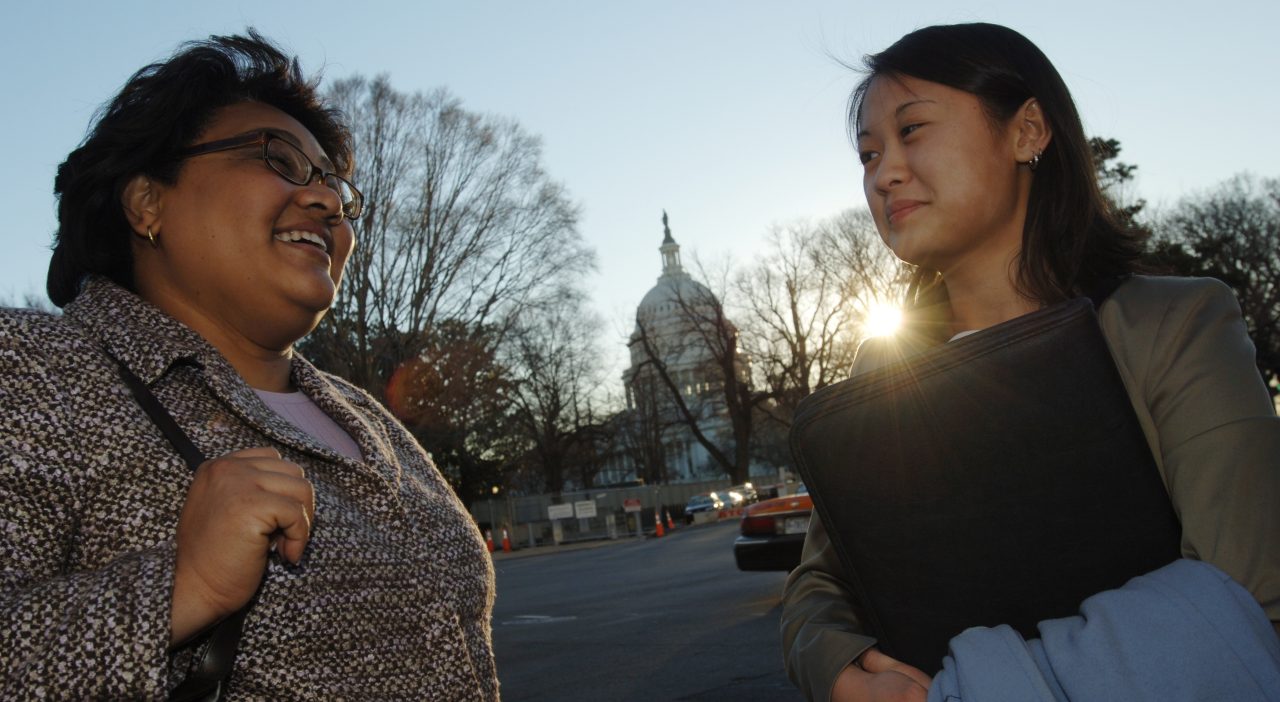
[(897, 210)]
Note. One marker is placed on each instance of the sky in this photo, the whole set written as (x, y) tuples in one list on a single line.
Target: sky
[(727, 114)]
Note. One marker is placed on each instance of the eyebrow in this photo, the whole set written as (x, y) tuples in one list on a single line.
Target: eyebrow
[(901, 108)]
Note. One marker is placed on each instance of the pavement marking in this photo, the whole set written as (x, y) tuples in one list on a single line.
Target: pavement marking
[(524, 619)]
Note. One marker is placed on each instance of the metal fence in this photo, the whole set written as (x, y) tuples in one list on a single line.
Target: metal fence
[(527, 519)]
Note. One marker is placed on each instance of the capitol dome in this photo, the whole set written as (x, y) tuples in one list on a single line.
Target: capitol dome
[(671, 308), (675, 386)]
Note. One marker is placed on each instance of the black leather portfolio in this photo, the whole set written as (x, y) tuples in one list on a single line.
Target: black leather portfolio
[(1001, 478)]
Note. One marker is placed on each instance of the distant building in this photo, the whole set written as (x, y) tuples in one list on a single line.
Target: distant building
[(658, 444)]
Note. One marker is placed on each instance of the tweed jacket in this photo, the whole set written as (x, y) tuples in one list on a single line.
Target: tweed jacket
[(1187, 363), (391, 600)]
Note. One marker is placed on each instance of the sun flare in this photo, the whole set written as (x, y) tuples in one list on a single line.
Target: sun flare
[(882, 320)]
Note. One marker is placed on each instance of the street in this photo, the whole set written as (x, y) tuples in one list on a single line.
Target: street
[(643, 620)]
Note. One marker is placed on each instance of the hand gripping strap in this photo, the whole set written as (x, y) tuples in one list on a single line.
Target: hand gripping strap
[(204, 683)]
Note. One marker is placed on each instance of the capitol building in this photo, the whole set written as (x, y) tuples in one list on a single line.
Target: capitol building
[(674, 380)]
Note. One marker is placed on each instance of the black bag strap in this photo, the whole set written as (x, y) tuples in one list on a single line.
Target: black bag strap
[(204, 683)]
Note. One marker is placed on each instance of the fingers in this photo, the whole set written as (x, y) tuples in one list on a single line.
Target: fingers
[(237, 506), (254, 452), (290, 524), (873, 661)]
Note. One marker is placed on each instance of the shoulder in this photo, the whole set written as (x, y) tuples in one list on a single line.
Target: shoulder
[(45, 361), (1173, 335), (351, 392), (879, 351), (18, 325), (1149, 309), (32, 340), (1170, 292)]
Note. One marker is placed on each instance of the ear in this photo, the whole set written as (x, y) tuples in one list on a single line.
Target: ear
[(141, 203), (1032, 131)]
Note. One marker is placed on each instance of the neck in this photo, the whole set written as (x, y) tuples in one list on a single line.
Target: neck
[(264, 365), (263, 369), (981, 299)]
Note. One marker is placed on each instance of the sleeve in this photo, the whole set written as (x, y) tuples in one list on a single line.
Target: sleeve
[(820, 633), (100, 632), (1218, 437)]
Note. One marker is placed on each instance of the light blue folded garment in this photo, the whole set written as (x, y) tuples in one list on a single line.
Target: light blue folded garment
[(1184, 632)]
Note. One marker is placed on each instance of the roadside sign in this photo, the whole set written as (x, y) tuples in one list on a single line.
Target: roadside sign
[(555, 512), (631, 504), (585, 509)]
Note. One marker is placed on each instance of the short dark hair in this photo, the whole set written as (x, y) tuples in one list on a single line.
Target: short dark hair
[(160, 110), (1072, 244)]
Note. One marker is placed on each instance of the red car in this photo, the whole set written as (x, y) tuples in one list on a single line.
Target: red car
[(772, 533)]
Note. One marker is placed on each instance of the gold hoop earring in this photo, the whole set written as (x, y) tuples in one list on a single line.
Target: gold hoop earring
[(152, 238), (1035, 160)]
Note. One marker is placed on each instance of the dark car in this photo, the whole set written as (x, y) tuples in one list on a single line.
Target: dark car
[(702, 503), (772, 533)]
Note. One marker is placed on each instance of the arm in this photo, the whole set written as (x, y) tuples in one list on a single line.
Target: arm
[(1212, 424), (93, 634), (820, 634)]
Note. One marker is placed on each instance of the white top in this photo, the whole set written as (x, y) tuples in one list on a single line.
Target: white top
[(304, 414)]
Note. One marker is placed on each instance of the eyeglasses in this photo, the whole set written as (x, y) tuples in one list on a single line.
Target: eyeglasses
[(290, 163)]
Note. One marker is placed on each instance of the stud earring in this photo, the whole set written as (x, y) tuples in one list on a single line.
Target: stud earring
[(152, 238)]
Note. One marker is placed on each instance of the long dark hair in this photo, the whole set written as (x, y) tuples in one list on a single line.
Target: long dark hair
[(1071, 242), (164, 107)]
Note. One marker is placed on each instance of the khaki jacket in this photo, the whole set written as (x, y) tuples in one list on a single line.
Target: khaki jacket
[(392, 597), (1187, 363)]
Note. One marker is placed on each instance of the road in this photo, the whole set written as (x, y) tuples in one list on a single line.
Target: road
[(644, 620)]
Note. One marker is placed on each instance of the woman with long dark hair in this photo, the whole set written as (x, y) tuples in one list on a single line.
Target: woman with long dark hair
[(978, 172)]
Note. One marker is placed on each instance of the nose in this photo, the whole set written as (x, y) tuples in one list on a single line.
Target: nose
[(317, 194), (890, 170)]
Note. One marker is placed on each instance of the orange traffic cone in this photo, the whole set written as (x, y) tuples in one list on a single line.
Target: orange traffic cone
[(488, 539), (657, 520), (670, 524), (506, 542)]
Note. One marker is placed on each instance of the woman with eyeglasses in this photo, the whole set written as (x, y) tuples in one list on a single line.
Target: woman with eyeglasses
[(189, 508), (977, 171)]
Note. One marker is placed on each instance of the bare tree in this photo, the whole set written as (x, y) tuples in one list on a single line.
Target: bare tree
[(454, 395), (554, 357), (801, 308), (464, 233), (32, 301), (1233, 233), (805, 301), (643, 426), (463, 225), (870, 274)]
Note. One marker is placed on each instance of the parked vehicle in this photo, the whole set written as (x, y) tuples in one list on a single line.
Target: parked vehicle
[(702, 503), (748, 492), (772, 533), (731, 498)]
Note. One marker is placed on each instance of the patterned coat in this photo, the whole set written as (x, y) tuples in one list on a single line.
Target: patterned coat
[(392, 599)]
